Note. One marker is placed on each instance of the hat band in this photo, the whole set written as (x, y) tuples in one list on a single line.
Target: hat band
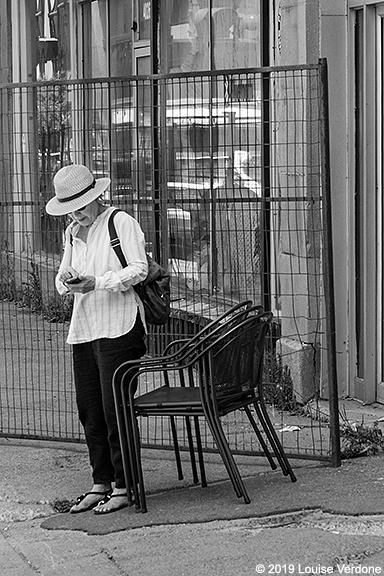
[(69, 198)]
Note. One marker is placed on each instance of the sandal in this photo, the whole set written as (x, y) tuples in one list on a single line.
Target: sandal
[(107, 499), (91, 506)]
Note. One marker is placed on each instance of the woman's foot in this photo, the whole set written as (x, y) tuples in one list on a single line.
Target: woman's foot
[(113, 502), (89, 500)]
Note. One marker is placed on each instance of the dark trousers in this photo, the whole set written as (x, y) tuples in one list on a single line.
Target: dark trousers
[(94, 365)]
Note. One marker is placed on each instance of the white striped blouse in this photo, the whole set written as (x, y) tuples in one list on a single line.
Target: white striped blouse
[(110, 310)]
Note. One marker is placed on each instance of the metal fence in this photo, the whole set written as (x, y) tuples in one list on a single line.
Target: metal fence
[(224, 171)]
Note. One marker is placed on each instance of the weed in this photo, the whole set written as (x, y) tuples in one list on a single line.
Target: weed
[(63, 505), (312, 410), (55, 309), (278, 385), (7, 275), (31, 295), (360, 440), (58, 308)]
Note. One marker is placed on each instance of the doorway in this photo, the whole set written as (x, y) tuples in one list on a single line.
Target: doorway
[(367, 359), (380, 199)]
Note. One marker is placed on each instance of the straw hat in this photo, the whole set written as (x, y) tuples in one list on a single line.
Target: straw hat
[(75, 187)]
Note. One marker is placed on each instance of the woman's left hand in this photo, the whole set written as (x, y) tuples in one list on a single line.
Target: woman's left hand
[(86, 284)]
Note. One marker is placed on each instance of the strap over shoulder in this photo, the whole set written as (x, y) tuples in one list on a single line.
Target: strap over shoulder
[(154, 291), (114, 239)]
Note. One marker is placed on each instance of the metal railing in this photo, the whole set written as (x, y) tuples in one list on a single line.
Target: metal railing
[(225, 172)]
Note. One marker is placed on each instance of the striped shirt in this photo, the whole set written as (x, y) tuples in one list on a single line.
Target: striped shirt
[(110, 310)]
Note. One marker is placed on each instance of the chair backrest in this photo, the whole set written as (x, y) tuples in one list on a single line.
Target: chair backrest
[(224, 322), (203, 339), (235, 359), (238, 308)]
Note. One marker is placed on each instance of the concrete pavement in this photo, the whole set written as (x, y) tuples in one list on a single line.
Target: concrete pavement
[(330, 521)]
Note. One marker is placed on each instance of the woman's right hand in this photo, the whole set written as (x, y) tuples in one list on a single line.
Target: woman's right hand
[(67, 273)]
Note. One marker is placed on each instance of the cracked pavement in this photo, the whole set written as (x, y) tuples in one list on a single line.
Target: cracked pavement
[(331, 521)]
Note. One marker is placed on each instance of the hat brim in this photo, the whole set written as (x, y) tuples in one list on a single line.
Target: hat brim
[(56, 208)]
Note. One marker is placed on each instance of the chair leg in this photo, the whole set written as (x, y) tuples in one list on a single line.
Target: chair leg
[(123, 445), (213, 421), (274, 439), (174, 434), (176, 448), (231, 461), (190, 377), (260, 438), (131, 447), (137, 454), (200, 452), (129, 481), (269, 431), (191, 450), (222, 445)]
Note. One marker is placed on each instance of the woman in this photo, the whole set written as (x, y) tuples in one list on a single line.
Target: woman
[(107, 326)]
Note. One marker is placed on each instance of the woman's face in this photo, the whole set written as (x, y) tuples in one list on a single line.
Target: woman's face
[(87, 215)]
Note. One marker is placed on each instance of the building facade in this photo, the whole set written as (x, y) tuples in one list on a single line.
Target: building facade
[(96, 39)]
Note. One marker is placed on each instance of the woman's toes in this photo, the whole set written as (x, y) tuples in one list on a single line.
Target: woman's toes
[(111, 504), (87, 501)]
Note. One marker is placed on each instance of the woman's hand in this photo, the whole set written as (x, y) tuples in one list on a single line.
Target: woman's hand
[(81, 284), (67, 273)]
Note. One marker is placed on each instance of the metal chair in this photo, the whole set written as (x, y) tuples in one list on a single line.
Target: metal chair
[(217, 376), (182, 347)]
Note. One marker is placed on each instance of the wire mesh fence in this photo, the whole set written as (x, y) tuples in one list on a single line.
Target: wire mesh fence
[(223, 171)]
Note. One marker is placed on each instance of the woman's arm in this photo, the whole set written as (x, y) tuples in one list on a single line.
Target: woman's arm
[(65, 269), (133, 246)]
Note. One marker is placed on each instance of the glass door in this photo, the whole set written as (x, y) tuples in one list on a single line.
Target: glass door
[(142, 149)]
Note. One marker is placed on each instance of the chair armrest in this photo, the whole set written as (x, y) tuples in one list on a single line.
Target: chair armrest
[(175, 343)]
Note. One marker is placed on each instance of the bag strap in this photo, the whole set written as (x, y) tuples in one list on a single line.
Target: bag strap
[(115, 240), (71, 235)]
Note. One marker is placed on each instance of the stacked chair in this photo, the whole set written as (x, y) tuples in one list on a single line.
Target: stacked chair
[(216, 372)]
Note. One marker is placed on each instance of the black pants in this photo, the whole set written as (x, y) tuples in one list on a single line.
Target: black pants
[(94, 365)]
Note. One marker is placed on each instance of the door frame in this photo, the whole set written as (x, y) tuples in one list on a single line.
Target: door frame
[(365, 387), (380, 201)]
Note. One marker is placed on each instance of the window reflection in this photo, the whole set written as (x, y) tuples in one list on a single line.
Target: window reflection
[(108, 52), (213, 146), (196, 39), (213, 153), (98, 66), (120, 38)]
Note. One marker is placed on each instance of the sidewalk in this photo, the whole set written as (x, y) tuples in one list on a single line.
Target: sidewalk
[(34, 477), (189, 521)]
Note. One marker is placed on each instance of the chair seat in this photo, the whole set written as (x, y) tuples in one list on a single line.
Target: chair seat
[(168, 397), (235, 401)]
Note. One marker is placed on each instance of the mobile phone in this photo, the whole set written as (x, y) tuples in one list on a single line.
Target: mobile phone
[(75, 280)]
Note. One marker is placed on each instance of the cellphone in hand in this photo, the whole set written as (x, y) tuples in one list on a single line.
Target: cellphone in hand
[(75, 280)]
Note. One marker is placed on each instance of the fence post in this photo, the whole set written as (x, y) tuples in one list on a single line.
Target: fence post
[(329, 288)]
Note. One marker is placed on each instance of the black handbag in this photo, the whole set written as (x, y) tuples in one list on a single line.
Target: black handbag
[(155, 290)]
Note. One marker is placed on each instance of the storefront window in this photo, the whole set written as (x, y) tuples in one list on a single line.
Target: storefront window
[(53, 38), (120, 38), (196, 39), (95, 53), (143, 19), (107, 38), (213, 145), (107, 50)]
